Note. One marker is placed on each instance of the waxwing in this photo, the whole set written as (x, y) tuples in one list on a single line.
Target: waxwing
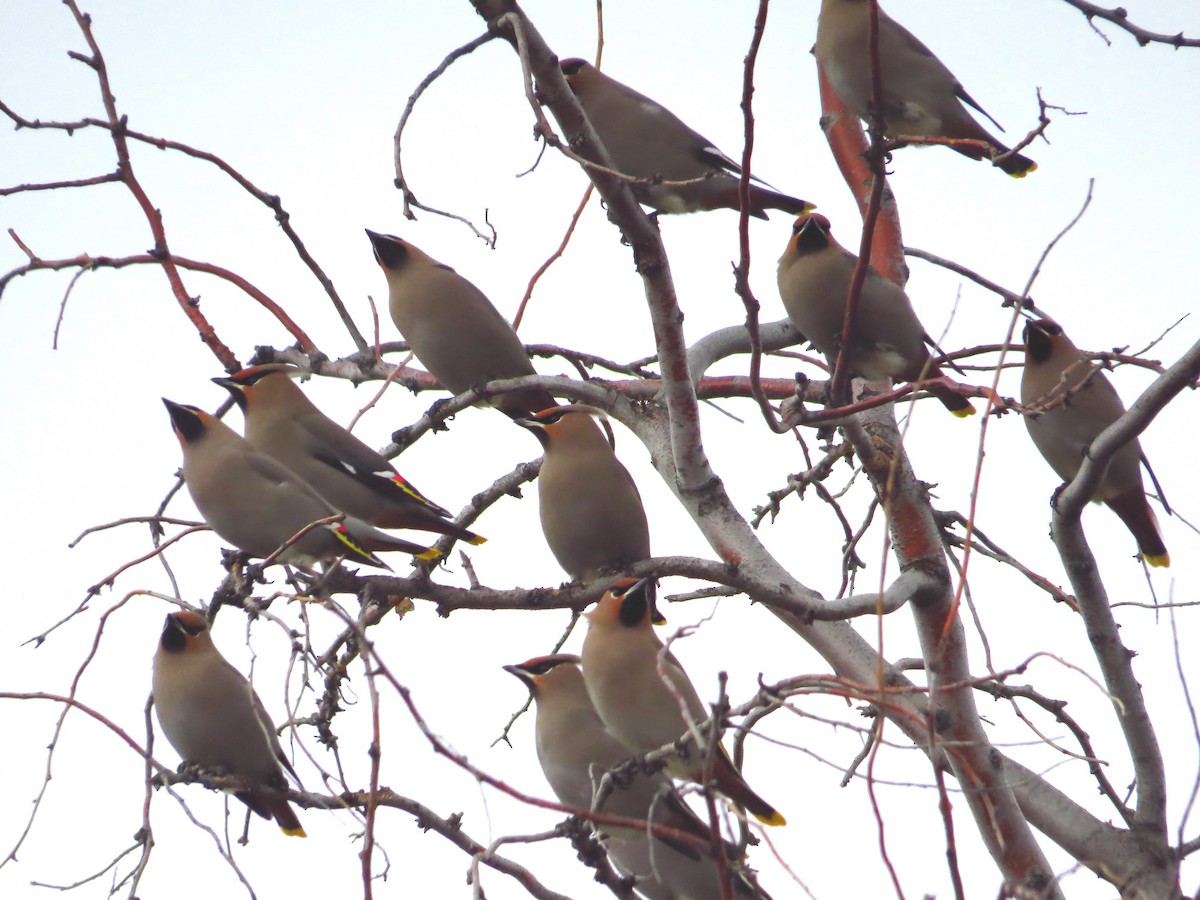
[(1071, 401), (889, 341), (591, 511), (921, 97), (214, 719), (576, 750), (257, 504), (285, 425), (647, 140), (621, 661), (452, 328)]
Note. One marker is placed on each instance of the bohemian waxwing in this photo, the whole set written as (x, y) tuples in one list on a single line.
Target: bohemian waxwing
[(257, 504), (646, 140), (452, 328), (214, 719), (284, 424), (621, 660), (921, 97), (889, 342), (576, 750), (1072, 401), (591, 511)]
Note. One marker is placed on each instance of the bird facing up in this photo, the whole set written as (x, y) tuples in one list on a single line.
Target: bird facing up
[(576, 751), (285, 425), (921, 97), (622, 657), (258, 504), (1071, 401), (889, 341), (646, 140), (214, 719), (452, 328), (591, 511)]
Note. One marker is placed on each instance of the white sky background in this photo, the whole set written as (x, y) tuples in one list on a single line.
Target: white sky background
[(304, 100)]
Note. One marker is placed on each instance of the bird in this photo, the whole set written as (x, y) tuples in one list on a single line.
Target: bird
[(258, 504), (576, 751), (591, 512), (648, 141), (621, 661), (889, 342), (921, 97), (452, 328), (214, 719), (1071, 402), (285, 425)]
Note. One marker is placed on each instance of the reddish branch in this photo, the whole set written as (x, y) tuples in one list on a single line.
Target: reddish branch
[(86, 262), (916, 539), (125, 167)]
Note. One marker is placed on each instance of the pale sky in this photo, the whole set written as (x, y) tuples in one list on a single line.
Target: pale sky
[(304, 100)]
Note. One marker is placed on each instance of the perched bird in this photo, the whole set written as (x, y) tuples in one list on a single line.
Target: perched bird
[(921, 97), (257, 504), (889, 342), (214, 719), (452, 328), (591, 511), (576, 750), (285, 425), (621, 661), (647, 140), (1071, 403)]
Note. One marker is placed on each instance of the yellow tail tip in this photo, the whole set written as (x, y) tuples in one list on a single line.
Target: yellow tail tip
[(293, 832), (476, 540), (1024, 172), (1159, 561), (429, 553), (774, 819), (965, 412)]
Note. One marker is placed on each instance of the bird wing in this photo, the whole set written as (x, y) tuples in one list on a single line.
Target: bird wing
[(912, 43), (264, 719), (385, 482)]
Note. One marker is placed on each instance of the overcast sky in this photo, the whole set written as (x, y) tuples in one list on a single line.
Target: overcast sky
[(304, 100)]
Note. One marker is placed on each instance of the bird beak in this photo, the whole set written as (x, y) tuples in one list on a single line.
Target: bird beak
[(656, 617)]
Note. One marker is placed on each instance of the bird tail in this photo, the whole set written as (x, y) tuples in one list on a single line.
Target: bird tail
[(762, 199), (953, 401), (1014, 164), (285, 817), (276, 808), (730, 782), (956, 403), (1017, 166), (365, 540), (1134, 510)]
